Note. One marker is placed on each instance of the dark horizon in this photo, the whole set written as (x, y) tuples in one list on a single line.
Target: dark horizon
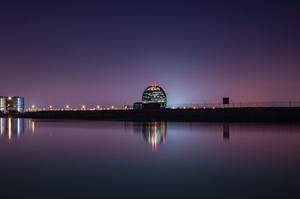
[(108, 52)]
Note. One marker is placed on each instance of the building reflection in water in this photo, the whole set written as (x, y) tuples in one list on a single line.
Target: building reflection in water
[(226, 131), (11, 127), (31, 125), (154, 132)]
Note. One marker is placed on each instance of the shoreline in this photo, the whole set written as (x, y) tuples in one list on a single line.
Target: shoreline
[(274, 114)]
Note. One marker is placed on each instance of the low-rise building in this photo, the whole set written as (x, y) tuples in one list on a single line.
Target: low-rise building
[(11, 104)]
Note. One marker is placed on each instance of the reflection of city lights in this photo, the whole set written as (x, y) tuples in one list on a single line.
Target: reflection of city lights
[(28, 124), (154, 138), (18, 127), (163, 130), (33, 126), (1, 126), (9, 128), (155, 134)]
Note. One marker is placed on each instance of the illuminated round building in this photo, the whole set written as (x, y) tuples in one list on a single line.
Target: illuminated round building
[(154, 95)]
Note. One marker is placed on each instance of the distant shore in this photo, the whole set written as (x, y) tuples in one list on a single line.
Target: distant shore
[(279, 114)]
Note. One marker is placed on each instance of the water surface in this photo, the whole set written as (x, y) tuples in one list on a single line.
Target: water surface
[(95, 159)]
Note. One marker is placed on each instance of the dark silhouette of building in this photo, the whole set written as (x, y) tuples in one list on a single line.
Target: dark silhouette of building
[(151, 106), (137, 105), (225, 100)]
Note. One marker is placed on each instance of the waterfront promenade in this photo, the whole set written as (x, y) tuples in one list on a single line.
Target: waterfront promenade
[(262, 114)]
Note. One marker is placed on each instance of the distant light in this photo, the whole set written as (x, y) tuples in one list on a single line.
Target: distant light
[(83, 107), (50, 106), (67, 106), (98, 107), (112, 107), (194, 107), (9, 98), (33, 106)]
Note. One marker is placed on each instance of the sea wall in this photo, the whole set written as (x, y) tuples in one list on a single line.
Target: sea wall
[(280, 114)]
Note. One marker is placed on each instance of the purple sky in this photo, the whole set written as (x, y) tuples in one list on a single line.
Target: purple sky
[(108, 53)]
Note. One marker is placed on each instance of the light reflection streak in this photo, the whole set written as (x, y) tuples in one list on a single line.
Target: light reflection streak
[(1, 126), (154, 133), (33, 127), (18, 127), (11, 127)]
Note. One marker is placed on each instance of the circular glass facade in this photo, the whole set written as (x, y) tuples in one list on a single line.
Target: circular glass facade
[(155, 94)]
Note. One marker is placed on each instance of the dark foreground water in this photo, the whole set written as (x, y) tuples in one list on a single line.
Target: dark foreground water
[(90, 159)]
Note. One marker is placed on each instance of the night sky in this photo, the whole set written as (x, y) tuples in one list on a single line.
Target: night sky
[(106, 53)]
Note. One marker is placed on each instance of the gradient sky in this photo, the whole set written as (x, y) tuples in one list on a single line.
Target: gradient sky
[(106, 53)]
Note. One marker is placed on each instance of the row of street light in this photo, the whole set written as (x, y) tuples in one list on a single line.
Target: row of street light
[(69, 108)]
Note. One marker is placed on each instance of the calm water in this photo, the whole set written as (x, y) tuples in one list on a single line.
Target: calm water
[(91, 159)]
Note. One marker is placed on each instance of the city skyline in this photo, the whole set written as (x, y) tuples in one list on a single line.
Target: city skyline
[(107, 53), (150, 99)]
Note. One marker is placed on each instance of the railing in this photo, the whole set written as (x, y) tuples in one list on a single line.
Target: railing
[(186, 106), (239, 105)]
